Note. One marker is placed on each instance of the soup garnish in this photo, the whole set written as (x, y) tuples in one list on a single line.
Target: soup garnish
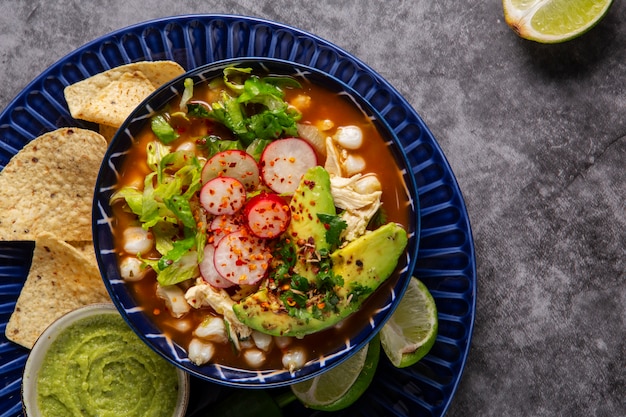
[(258, 213)]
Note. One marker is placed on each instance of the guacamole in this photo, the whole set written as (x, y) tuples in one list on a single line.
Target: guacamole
[(99, 367)]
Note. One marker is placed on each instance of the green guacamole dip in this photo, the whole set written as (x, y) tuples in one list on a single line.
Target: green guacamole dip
[(99, 367)]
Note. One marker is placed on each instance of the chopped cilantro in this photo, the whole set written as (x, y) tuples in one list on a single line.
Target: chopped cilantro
[(379, 218), (299, 283), (358, 291), (334, 226)]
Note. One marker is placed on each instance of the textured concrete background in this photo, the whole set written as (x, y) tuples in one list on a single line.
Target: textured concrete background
[(536, 136)]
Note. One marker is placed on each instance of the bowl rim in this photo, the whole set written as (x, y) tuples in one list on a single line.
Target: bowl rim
[(39, 350), (142, 112)]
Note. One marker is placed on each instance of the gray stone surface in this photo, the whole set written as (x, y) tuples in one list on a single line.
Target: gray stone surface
[(536, 135)]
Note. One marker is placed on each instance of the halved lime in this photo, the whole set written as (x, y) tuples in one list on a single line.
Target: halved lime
[(411, 331), (341, 386), (552, 21)]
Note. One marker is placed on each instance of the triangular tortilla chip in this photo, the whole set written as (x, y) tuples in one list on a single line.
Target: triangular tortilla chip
[(59, 281), (109, 97), (48, 186), (158, 72), (114, 103), (86, 249)]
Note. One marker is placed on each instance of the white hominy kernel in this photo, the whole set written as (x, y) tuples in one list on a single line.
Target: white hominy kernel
[(254, 357), (137, 240), (294, 359), (186, 146), (181, 325), (349, 137), (354, 164), (301, 102), (213, 329), (246, 343), (368, 184), (262, 340), (324, 125), (130, 269), (200, 352), (282, 341)]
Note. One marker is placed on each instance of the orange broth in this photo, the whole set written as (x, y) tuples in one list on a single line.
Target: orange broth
[(325, 105)]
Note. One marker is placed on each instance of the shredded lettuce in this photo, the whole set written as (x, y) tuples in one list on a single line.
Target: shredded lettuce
[(185, 268), (164, 206), (155, 152), (272, 118), (255, 149), (214, 144), (162, 129), (187, 94), (234, 76)]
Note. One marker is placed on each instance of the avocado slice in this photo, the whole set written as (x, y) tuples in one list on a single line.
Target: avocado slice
[(364, 264), (369, 260), (312, 197)]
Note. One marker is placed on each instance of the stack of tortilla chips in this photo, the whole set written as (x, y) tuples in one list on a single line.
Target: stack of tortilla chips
[(46, 193), (108, 98)]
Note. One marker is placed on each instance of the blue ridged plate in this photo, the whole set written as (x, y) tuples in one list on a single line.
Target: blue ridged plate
[(446, 261)]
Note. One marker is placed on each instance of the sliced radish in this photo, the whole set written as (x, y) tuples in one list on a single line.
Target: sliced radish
[(284, 162), (222, 225), (235, 164), (222, 195), (208, 271), (242, 258), (267, 215)]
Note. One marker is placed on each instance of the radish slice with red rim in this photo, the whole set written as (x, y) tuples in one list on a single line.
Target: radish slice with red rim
[(235, 164), (208, 271), (284, 162), (242, 258), (267, 215), (222, 195)]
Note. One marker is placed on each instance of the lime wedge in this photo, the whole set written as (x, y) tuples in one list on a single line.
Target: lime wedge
[(341, 386), (552, 21), (412, 329)]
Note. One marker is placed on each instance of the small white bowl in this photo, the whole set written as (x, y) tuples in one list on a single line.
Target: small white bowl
[(40, 349)]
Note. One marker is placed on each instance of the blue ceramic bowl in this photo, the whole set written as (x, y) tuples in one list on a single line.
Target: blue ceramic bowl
[(108, 262)]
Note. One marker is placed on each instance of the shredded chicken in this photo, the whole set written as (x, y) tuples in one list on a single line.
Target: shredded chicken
[(203, 294), (359, 203), (174, 300), (333, 163)]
